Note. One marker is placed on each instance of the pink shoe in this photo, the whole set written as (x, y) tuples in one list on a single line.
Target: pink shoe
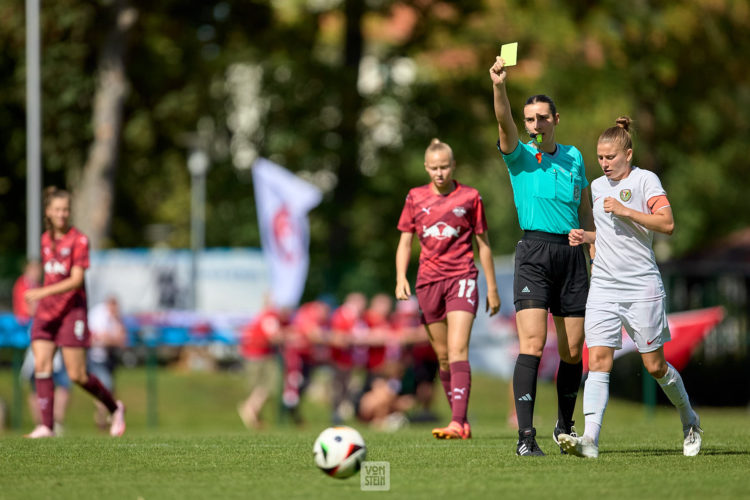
[(40, 431), (467, 431), (117, 428)]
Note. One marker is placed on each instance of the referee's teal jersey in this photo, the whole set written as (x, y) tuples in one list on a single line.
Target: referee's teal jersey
[(546, 187)]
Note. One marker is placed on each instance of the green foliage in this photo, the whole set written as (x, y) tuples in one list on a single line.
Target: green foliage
[(676, 68)]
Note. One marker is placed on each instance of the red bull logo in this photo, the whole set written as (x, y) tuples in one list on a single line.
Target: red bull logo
[(440, 230)]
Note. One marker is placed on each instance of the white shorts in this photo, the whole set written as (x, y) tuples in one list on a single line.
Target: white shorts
[(645, 323)]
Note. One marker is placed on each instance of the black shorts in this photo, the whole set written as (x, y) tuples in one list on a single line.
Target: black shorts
[(550, 273)]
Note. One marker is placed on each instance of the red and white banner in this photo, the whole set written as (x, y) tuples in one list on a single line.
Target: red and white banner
[(283, 201)]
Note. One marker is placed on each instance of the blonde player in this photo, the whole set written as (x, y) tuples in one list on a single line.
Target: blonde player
[(446, 217), (626, 287)]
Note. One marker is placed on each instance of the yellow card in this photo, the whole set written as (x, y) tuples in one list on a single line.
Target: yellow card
[(509, 51)]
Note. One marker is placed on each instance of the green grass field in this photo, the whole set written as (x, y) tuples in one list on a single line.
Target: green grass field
[(201, 450)]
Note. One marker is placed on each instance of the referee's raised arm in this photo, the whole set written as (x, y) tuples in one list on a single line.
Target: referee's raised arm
[(507, 131)]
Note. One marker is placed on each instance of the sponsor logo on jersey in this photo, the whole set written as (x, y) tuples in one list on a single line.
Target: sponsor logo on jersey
[(459, 211), (440, 230), (625, 195), (54, 267)]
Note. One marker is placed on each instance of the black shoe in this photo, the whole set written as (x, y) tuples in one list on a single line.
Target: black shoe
[(568, 428), (527, 446)]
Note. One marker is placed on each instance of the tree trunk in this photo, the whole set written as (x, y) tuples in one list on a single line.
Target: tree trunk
[(93, 199), (349, 174)]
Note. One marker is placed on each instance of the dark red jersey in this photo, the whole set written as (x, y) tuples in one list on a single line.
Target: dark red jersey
[(307, 323), (377, 322), (444, 225), (256, 336), (346, 320), (58, 259)]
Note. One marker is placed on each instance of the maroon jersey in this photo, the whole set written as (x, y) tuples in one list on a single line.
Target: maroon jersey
[(58, 260), (444, 225)]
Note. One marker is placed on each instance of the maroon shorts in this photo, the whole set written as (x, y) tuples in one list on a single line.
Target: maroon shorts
[(71, 330), (438, 298)]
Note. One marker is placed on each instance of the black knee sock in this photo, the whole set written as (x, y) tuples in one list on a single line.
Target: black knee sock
[(524, 389), (568, 383)]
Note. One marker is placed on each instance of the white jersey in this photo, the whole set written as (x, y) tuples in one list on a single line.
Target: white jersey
[(625, 268)]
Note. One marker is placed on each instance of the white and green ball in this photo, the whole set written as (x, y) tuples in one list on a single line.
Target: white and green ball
[(339, 451)]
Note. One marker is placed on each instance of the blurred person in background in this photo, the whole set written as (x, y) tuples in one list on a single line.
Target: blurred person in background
[(108, 337), (418, 358), (60, 319), (258, 343), (381, 402), (24, 311), (447, 217), (347, 331), (301, 350)]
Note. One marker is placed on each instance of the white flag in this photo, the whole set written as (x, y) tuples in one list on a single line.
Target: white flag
[(283, 201)]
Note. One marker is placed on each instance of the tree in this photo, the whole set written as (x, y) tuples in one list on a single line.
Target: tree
[(93, 197)]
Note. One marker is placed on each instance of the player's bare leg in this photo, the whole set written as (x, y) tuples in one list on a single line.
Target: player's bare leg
[(437, 333), (75, 363)]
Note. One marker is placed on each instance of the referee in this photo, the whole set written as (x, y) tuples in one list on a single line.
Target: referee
[(548, 181)]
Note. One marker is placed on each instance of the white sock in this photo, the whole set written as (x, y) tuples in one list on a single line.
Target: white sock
[(595, 398), (671, 384)]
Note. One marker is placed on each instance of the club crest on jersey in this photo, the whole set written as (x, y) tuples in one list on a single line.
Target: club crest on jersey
[(625, 195), (65, 251), (440, 230), (459, 211)]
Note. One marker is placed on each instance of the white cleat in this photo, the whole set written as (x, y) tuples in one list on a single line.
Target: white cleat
[(40, 431), (692, 444), (117, 428), (578, 446)]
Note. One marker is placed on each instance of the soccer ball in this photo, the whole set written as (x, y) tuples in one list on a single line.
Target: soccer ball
[(339, 451)]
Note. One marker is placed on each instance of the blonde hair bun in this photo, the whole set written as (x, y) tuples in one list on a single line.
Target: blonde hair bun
[(624, 122)]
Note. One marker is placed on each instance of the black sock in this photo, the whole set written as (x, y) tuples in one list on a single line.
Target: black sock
[(568, 383), (524, 389)]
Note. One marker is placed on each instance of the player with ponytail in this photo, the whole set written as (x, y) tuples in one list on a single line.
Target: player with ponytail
[(630, 204), (60, 317)]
